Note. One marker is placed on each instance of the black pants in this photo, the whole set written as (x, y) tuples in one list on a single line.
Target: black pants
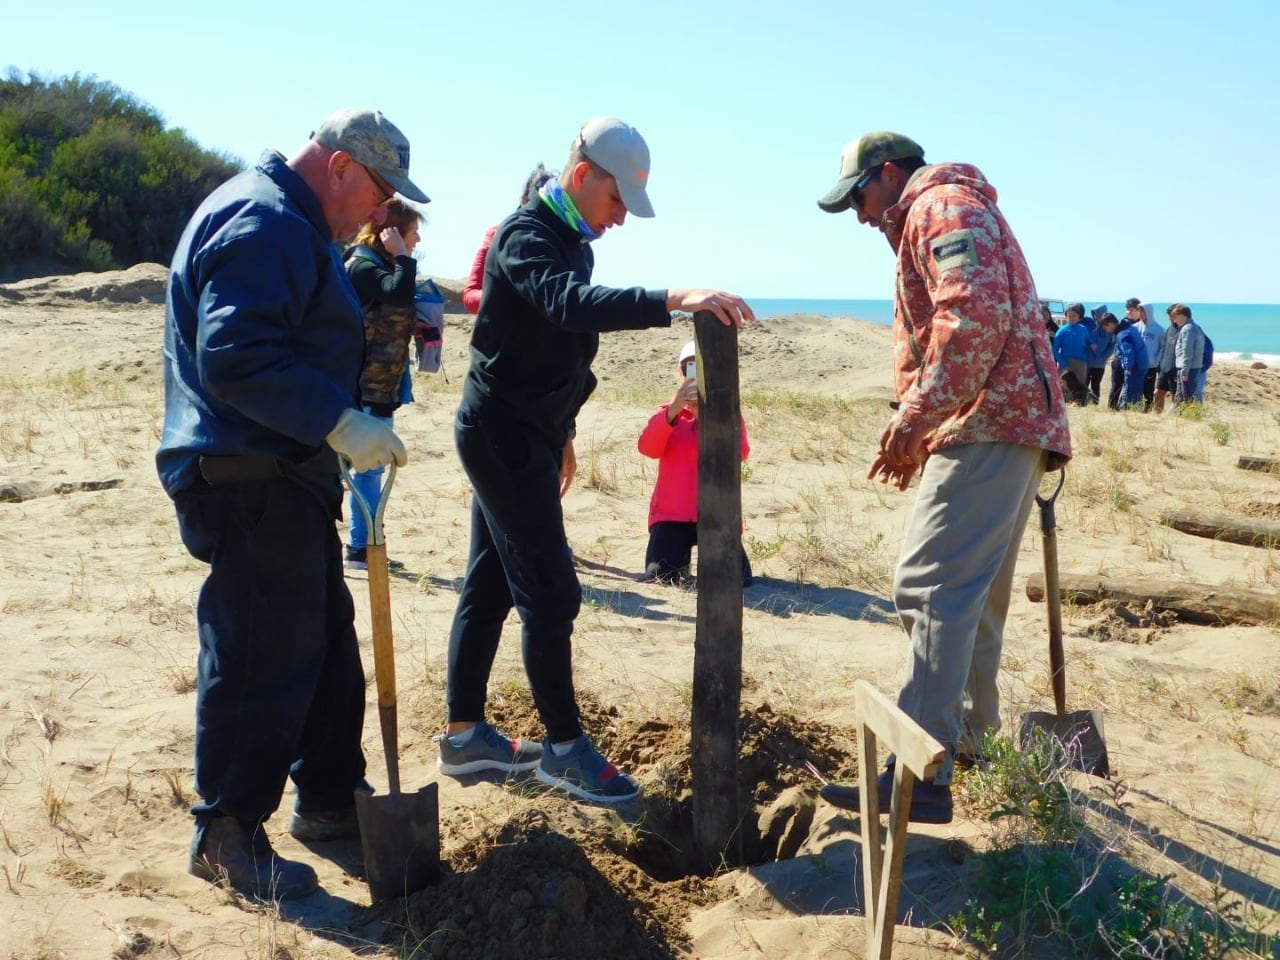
[(1095, 383), (1149, 387), (1117, 385), (519, 557), (670, 552), (280, 690)]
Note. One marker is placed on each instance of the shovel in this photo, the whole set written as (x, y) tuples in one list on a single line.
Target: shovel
[(399, 833), (1080, 731)]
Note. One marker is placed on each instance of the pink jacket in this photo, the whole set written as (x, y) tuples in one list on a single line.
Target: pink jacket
[(972, 358), (474, 286), (675, 447)]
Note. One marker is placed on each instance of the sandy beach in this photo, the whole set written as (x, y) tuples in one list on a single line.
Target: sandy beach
[(98, 642)]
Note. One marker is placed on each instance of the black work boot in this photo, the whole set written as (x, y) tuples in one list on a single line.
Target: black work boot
[(930, 802), (327, 823), (225, 852)]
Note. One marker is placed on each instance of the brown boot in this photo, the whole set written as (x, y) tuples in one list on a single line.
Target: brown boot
[(225, 852)]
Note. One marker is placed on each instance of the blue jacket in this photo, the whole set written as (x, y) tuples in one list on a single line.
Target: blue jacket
[(263, 339), (1131, 350), (539, 323), (1071, 342), (1101, 346)]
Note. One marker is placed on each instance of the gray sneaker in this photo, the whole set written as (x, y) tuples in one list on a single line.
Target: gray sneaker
[(487, 750), (585, 774)]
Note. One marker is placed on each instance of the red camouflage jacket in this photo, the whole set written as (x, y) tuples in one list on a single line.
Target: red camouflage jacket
[(972, 358)]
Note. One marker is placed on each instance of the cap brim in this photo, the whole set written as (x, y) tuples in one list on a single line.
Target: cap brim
[(634, 199), (406, 188), (836, 199)]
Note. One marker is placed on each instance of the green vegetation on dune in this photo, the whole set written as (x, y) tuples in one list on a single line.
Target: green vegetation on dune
[(90, 178)]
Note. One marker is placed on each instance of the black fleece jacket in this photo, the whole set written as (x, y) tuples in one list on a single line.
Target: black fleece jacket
[(540, 322)]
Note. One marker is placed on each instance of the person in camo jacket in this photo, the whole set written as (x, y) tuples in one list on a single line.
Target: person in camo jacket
[(980, 416)]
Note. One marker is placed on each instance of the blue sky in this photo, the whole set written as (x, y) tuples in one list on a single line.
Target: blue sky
[(1131, 143)]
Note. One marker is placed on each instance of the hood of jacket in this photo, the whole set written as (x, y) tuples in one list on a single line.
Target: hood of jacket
[(926, 178)]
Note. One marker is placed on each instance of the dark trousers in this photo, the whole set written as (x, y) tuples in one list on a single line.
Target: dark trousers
[(1095, 383), (1117, 386), (670, 551), (1149, 387), (280, 689), (1131, 387), (519, 557)]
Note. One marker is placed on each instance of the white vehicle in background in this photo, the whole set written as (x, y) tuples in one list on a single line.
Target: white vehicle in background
[(1057, 310)]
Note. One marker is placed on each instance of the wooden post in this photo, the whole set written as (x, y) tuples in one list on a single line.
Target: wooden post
[(918, 755), (1264, 464), (717, 651), (1192, 602), (1250, 531)]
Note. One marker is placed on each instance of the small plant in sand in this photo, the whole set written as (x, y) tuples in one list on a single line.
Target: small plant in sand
[(1055, 878)]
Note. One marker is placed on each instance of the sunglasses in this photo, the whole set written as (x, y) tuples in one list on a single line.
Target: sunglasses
[(855, 195), (384, 188)]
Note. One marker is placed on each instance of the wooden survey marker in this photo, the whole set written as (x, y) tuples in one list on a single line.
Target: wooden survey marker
[(717, 651), (918, 756)]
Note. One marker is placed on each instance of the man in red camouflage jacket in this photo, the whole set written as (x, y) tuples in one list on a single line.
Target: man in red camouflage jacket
[(979, 400)]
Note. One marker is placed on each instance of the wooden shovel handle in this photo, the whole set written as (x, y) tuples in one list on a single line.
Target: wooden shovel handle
[(384, 660), (1053, 596)]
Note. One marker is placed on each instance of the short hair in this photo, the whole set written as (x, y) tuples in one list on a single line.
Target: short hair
[(1109, 318), (1132, 303), (909, 165), (577, 154), (1180, 310)]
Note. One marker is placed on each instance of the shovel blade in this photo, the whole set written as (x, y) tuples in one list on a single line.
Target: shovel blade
[(400, 838), (1079, 732)]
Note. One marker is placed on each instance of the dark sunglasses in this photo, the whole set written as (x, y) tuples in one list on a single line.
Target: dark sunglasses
[(855, 195), (385, 188)]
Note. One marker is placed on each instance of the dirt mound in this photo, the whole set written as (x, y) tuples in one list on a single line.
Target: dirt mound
[(1118, 621), (141, 283), (533, 892), (568, 880)]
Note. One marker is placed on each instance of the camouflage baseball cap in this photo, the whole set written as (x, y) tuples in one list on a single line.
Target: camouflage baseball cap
[(375, 142), (868, 151)]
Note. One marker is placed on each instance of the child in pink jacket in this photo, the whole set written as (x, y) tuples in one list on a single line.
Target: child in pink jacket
[(671, 438)]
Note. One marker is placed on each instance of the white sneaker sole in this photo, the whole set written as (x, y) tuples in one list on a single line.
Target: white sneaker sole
[(569, 787), (479, 766)]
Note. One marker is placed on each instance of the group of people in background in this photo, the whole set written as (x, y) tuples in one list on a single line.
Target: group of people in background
[(1150, 363)]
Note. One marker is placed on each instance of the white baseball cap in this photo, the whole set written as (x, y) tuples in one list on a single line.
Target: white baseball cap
[(619, 150)]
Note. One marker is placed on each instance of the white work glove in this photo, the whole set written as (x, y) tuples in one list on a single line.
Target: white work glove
[(366, 441)]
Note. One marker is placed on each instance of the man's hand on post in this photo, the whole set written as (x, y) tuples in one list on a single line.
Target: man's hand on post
[(731, 310), (366, 441)]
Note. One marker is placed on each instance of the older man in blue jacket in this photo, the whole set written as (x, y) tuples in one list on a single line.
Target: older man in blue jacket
[(262, 351)]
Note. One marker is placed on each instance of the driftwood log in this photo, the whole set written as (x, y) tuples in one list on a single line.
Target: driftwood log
[(1263, 464), (1246, 530), (1192, 602)]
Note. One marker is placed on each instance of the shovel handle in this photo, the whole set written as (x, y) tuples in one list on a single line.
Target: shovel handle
[(1053, 595), (384, 662)]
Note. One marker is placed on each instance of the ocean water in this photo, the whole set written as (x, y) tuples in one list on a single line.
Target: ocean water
[(1240, 331)]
